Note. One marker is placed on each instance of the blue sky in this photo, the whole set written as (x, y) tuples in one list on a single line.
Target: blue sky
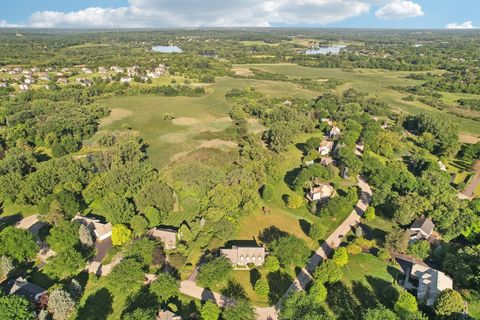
[(230, 13)]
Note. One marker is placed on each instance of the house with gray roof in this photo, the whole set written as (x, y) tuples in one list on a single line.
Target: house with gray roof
[(167, 315), (421, 228), (22, 287), (243, 255), (102, 231), (166, 235)]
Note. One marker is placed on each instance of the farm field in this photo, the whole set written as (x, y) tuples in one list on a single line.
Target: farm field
[(170, 139), (376, 83)]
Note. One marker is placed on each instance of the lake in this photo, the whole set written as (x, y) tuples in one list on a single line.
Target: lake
[(326, 50), (167, 49)]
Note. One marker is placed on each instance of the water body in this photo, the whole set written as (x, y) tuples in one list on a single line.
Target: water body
[(326, 50), (167, 49)]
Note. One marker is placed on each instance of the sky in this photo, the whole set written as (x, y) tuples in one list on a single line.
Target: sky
[(438, 14)]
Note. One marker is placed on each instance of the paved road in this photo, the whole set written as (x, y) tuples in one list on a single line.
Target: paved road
[(470, 189), (304, 277)]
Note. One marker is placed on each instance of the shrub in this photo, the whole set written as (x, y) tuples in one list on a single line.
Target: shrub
[(449, 304), (383, 254), (294, 201), (370, 214), (262, 288), (354, 249), (120, 234), (318, 291), (271, 264), (340, 257), (364, 243), (420, 249), (267, 192)]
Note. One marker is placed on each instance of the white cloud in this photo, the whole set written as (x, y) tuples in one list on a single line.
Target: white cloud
[(399, 10), (5, 24), (201, 13), (465, 25)]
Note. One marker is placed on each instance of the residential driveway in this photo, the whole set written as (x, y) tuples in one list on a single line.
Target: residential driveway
[(470, 189), (102, 249), (32, 224), (190, 288)]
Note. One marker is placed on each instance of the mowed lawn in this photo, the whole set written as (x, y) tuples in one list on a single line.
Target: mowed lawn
[(167, 139), (376, 83)]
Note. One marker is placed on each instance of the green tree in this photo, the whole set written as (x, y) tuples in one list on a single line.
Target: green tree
[(140, 314), (299, 305), (155, 194), (154, 216), (55, 213), (18, 244), (406, 303), (420, 249), (60, 304), (267, 192), (380, 313), (143, 250), (340, 257), (214, 271), (86, 236), (369, 214), (118, 209), (291, 251), (317, 231), (6, 266), (240, 310), (164, 287), (210, 311), (65, 264), (64, 236), (15, 307), (449, 305), (139, 225), (262, 288), (294, 201), (271, 264), (318, 292), (328, 271), (120, 234), (127, 276), (464, 265), (397, 240)]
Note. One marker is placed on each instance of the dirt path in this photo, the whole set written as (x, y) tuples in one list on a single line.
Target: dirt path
[(470, 189)]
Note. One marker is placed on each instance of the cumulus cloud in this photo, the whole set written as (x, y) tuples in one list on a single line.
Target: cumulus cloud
[(202, 13), (465, 25), (399, 10), (5, 24)]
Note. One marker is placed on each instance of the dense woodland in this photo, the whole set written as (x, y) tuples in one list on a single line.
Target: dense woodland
[(44, 166)]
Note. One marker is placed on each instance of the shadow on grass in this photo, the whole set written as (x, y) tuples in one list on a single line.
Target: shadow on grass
[(290, 177), (305, 226), (234, 290), (271, 234), (254, 276), (364, 294), (342, 302), (384, 291), (97, 307), (302, 147), (10, 220), (278, 283), (143, 299)]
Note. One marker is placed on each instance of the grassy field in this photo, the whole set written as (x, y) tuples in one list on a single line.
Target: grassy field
[(376, 83), (170, 139)]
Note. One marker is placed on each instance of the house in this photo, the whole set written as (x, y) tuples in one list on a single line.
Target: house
[(22, 287), (116, 69), (62, 80), (153, 75), (334, 132), (243, 255), (430, 281), (125, 79), (87, 71), (442, 166), (102, 70), (326, 161), (320, 192), (132, 71), (44, 76), (24, 87), (325, 147), (167, 315), (167, 236), (102, 231), (421, 228)]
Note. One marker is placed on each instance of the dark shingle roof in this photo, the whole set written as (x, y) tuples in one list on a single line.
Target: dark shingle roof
[(424, 224)]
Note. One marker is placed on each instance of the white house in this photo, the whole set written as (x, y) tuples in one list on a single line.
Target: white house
[(325, 147), (334, 132), (320, 192), (102, 230), (24, 87), (242, 256), (125, 79)]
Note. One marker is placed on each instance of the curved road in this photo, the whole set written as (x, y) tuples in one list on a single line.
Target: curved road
[(304, 277)]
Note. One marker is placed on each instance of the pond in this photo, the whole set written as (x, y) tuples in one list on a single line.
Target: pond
[(326, 50), (167, 49)]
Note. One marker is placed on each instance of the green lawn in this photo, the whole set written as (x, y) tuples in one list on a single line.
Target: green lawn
[(11, 213)]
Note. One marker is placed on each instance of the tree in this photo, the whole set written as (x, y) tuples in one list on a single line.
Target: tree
[(369, 214), (240, 310), (380, 313), (86, 236), (127, 276), (318, 292), (76, 290), (64, 236), (143, 250), (155, 194), (6, 266), (120, 234), (164, 287), (267, 192), (154, 216), (464, 265), (420, 249), (290, 251), (214, 271), (15, 307), (449, 305), (406, 303), (262, 288), (60, 304), (294, 201), (271, 264), (354, 249), (18, 244), (139, 225), (118, 209), (64, 264), (210, 311), (299, 305), (340, 257), (317, 231), (396, 240), (140, 314), (55, 213), (328, 271)]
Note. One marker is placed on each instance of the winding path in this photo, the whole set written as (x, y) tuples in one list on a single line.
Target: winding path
[(304, 277)]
